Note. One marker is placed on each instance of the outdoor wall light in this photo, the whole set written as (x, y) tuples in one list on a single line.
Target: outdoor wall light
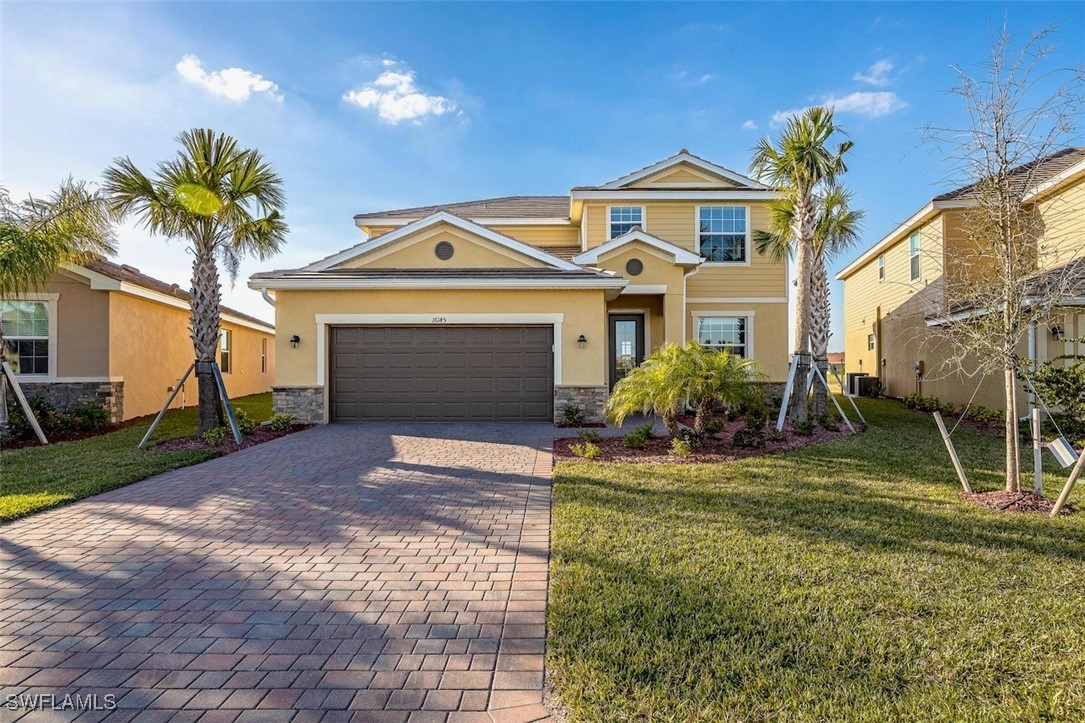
[(582, 341), (295, 340), (1056, 332)]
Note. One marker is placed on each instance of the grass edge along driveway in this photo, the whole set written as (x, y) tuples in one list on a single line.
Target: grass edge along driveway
[(38, 478), (844, 581)]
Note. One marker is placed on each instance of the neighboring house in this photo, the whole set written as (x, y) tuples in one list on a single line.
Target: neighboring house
[(836, 362), (511, 308), (106, 333), (895, 293)]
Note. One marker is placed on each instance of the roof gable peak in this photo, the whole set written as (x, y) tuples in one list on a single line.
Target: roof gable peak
[(684, 157)]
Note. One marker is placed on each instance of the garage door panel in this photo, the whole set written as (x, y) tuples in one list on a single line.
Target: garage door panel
[(441, 372)]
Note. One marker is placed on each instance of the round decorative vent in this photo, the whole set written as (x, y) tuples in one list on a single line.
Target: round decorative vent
[(633, 267), (443, 250)]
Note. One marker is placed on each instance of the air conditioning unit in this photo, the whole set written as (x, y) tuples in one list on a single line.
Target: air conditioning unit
[(849, 380), (866, 386)]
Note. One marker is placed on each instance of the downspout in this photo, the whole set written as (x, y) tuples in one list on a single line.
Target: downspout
[(267, 297), (685, 308)]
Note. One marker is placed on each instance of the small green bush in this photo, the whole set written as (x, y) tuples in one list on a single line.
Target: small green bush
[(695, 438), (87, 417), (588, 435), (714, 427), (922, 404), (572, 414), (215, 436), (757, 417), (245, 423), (804, 428), (638, 438), (681, 447), (986, 415), (281, 422), (749, 437), (587, 450)]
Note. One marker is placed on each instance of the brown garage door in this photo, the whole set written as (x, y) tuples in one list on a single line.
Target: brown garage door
[(433, 373)]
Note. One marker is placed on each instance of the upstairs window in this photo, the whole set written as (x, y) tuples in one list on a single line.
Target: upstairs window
[(725, 333), (723, 233), (226, 351), (26, 336), (624, 218), (913, 255), (881, 267), (871, 341)]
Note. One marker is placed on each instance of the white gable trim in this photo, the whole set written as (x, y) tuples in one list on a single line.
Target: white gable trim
[(1055, 180), (680, 158), (432, 220), (680, 255)]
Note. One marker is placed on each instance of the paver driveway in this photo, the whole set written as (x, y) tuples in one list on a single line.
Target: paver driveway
[(371, 572)]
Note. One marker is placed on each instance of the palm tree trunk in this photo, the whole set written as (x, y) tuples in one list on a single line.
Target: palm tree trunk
[(819, 333), (205, 335), (803, 228), (671, 423)]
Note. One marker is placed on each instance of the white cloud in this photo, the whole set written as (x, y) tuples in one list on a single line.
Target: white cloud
[(869, 104), (877, 74), (232, 83), (397, 98), (749, 126), (705, 78)]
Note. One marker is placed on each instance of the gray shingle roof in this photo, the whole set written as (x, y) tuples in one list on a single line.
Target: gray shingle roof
[(502, 207), (132, 275), (1033, 173)]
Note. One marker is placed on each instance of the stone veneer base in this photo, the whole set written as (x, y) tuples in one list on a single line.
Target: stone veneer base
[(305, 403), (64, 395), (591, 399)]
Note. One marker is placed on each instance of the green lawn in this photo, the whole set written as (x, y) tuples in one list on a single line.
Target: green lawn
[(845, 581), (37, 478)]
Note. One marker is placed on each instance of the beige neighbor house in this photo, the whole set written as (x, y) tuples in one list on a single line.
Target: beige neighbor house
[(512, 308), (895, 292), (106, 333)]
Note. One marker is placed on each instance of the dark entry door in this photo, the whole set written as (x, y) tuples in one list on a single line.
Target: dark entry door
[(626, 344), (437, 373)]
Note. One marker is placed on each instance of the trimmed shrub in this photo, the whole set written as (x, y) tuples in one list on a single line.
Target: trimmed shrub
[(749, 438), (281, 422), (215, 436), (588, 435), (245, 423), (87, 417), (587, 450), (638, 438), (572, 414), (681, 447), (714, 427)]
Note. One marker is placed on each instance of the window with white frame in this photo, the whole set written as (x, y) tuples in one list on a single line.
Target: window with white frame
[(881, 267), (263, 355), (722, 233), (226, 351), (871, 340), (730, 333), (26, 336), (624, 218), (913, 255)]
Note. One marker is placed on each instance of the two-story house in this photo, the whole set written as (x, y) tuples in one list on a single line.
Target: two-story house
[(895, 292), (514, 307)]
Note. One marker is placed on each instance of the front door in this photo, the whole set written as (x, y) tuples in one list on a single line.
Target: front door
[(626, 344)]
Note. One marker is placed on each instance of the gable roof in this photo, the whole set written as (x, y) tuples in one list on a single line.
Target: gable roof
[(1040, 175), (681, 256), (123, 274), (682, 157), (432, 220), (1034, 173), (511, 207)]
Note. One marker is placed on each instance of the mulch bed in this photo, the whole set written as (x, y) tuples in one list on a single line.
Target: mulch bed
[(1004, 501), (586, 425), (196, 444), (717, 448), (66, 436)]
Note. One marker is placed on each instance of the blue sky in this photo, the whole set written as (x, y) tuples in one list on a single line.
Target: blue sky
[(363, 107)]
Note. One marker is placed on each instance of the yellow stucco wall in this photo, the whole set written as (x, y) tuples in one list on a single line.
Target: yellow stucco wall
[(82, 327), (1063, 217), (768, 324), (150, 348), (417, 252)]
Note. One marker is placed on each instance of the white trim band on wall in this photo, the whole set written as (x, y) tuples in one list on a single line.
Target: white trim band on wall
[(323, 321)]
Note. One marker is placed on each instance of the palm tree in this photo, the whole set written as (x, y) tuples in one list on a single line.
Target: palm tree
[(226, 202), (797, 166), (40, 236), (674, 376), (836, 227)]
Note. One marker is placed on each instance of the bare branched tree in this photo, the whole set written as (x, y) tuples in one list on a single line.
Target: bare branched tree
[(1020, 112)]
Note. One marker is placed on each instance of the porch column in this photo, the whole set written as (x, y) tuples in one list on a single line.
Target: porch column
[(674, 318)]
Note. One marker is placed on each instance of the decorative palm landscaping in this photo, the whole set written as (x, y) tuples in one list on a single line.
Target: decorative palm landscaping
[(36, 478), (844, 580)]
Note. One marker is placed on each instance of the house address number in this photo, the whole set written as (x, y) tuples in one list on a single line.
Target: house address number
[(439, 320)]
